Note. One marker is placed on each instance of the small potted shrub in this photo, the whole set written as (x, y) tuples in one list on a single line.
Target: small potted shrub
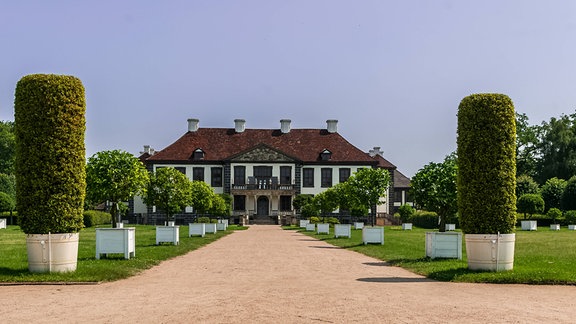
[(406, 212), (530, 204), (49, 114), (554, 214), (571, 219), (486, 180)]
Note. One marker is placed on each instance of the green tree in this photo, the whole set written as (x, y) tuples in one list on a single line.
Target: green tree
[(221, 205), (7, 147), (7, 203), (114, 176), (569, 195), (406, 212), (530, 204), (554, 214), (527, 146), (365, 188), (558, 148), (434, 189), (552, 192), (8, 184), (169, 190), (526, 185), (326, 201), (301, 200), (202, 197), (49, 126)]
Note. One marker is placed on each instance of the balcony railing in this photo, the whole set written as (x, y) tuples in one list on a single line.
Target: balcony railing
[(263, 186)]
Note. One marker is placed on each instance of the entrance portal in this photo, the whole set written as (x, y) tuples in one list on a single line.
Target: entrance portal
[(262, 206)]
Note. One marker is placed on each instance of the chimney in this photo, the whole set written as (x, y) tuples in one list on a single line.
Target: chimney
[(239, 125), (193, 124), (376, 151), (332, 125), (148, 150), (285, 126)]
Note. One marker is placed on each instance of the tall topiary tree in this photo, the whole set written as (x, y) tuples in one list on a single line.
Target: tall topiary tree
[(486, 180), (49, 113)]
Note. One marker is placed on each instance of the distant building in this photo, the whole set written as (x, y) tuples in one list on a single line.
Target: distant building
[(264, 169)]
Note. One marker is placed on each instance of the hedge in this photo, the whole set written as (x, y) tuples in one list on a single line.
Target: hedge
[(49, 125), (96, 217)]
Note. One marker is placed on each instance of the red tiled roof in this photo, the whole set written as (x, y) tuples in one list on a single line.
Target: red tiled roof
[(383, 163), (220, 144)]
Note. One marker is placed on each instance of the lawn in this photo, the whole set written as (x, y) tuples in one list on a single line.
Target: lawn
[(14, 263), (541, 257)]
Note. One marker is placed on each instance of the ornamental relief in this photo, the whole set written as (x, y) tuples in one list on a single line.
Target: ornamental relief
[(262, 154)]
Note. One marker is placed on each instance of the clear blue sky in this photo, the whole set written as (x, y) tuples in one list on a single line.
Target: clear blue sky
[(392, 72)]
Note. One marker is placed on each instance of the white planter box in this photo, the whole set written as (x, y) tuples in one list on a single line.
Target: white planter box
[(373, 234), (406, 226), (450, 227), (310, 227), (572, 227), (358, 225), (529, 225), (342, 230), (211, 228), (221, 226), (196, 229), (225, 222), (554, 227), (323, 229), (304, 222), (2, 222), (116, 240), (444, 245), (169, 234)]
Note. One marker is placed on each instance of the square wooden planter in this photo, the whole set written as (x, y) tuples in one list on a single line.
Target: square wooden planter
[(310, 227), (529, 225), (407, 226), (211, 228), (572, 227), (373, 234), (554, 227), (323, 229), (168, 234), (450, 227), (221, 226), (196, 229), (444, 245), (358, 225), (2, 222), (342, 230), (304, 222), (116, 240)]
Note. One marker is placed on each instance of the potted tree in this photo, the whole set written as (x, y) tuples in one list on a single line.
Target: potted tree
[(554, 214), (530, 204), (49, 115), (406, 212), (486, 181), (170, 191)]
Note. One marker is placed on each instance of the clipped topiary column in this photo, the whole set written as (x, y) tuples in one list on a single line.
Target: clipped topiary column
[(486, 180), (50, 168)]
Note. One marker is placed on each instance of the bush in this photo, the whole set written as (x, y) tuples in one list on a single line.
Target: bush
[(203, 219), (314, 220), (405, 211), (554, 214), (425, 219), (570, 217), (569, 195), (96, 217), (49, 125), (530, 204), (486, 153), (332, 220)]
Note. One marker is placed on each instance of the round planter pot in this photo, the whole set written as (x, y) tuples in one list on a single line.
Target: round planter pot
[(52, 252), (490, 252)]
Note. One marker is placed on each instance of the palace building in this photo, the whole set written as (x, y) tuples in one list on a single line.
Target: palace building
[(264, 169)]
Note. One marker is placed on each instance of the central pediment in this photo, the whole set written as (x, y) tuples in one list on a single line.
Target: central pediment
[(262, 153)]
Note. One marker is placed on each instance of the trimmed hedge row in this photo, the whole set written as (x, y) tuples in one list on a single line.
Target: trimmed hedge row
[(96, 217)]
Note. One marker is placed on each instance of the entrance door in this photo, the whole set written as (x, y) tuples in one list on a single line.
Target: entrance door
[(262, 206)]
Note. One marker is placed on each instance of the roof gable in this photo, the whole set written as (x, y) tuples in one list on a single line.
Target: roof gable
[(261, 153)]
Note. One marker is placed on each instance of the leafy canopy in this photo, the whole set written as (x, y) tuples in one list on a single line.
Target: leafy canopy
[(169, 190)]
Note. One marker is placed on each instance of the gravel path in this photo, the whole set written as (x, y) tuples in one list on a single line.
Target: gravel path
[(268, 275)]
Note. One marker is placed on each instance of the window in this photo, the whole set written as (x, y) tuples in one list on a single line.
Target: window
[(285, 175), (198, 154), (307, 177), (240, 175), (326, 155), (198, 174), (181, 169), (240, 202), (285, 203), (344, 174), (326, 177), (216, 177), (263, 171)]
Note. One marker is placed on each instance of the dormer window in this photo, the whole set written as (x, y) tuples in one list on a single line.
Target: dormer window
[(326, 155), (198, 154)]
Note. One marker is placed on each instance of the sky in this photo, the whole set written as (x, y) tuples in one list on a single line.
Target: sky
[(391, 72)]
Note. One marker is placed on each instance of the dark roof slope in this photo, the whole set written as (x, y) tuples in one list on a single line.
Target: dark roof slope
[(400, 180), (383, 163), (220, 144)]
